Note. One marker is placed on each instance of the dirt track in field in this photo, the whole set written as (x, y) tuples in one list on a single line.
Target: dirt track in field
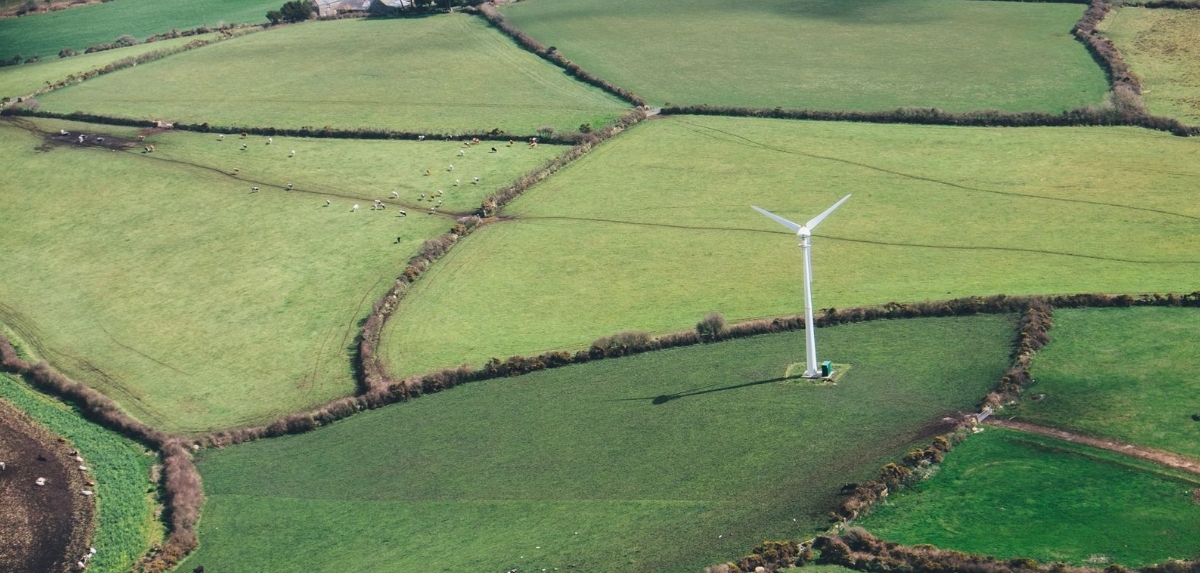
[(1159, 457), (42, 528)]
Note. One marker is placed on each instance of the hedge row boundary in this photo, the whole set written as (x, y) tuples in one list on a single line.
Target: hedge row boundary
[(500, 22), (1032, 335), (326, 132), (858, 550), (129, 62), (1125, 106), (376, 387), (183, 494)]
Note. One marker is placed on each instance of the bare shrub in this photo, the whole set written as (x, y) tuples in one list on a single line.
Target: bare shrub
[(711, 328)]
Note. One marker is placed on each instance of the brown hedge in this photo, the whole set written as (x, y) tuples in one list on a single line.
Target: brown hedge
[(183, 494), (492, 15), (859, 550)]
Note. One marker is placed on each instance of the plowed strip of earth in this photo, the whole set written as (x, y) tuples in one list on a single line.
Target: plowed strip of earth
[(46, 527), (1161, 457)]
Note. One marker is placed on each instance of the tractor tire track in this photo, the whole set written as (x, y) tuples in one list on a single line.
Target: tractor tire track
[(1160, 457)]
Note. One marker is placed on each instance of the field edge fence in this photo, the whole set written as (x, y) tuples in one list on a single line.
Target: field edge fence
[(182, 491), (500, 22), (858, 550), (27, 102), (378, 389), (1123, 105)]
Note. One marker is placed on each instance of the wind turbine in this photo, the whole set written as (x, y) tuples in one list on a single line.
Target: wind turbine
[(805, 233)]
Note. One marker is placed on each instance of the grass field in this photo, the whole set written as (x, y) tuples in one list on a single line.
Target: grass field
[(827, 54), (1163, 47), (1011, 494), (84, 26), (438, 74), (654, 230), (27, 78), (1130, 374), (662, 462), (125, 521), (162, 281)]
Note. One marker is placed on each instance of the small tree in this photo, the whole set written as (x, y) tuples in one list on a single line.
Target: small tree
[(585, 128), (275, 17), (546, 130), (712, 327), (296, 10)]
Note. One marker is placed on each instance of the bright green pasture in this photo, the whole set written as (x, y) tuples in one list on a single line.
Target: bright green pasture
[(439, 74), (84, 26), (125, 518), (162, 281), (827, 54), (1011, 494), (27, 78), (1130, 374), (654, 230), (661, 462), (1163, 48)]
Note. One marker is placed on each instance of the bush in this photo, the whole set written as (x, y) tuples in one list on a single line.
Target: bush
[(711, 328), (274, 17), (125, 41), (67, 52), (296, 10)]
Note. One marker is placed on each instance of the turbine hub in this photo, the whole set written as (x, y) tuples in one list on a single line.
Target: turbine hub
[(803, 232)]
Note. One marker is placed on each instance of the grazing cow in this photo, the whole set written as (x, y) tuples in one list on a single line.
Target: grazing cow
[(355, 208), (290, 186), (420, 138), (493, 150), (270, 140), (462, 152), (427, 173), (402, 214), (254, 189), (451, 167), (221, 137), (327, 202), (293, 153)]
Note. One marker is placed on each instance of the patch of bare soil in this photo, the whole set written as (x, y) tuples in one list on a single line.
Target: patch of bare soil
[(42, 527), (1160, 457)]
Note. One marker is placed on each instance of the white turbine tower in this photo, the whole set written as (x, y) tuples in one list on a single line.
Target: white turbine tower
[(805, 233)]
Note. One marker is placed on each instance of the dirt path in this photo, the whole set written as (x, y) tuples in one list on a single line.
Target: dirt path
[(1160, 457)]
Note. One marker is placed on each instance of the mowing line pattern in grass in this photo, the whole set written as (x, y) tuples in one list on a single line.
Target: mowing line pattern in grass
[(666, 461), (827, 54), (436, 74)]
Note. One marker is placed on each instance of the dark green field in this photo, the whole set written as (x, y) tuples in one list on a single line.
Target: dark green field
[(84, 26), (827, 54), (661, 462), (1011, 494)]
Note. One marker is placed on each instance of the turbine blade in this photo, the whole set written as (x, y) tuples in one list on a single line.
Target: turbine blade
[(786, 223), (817, 220)]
